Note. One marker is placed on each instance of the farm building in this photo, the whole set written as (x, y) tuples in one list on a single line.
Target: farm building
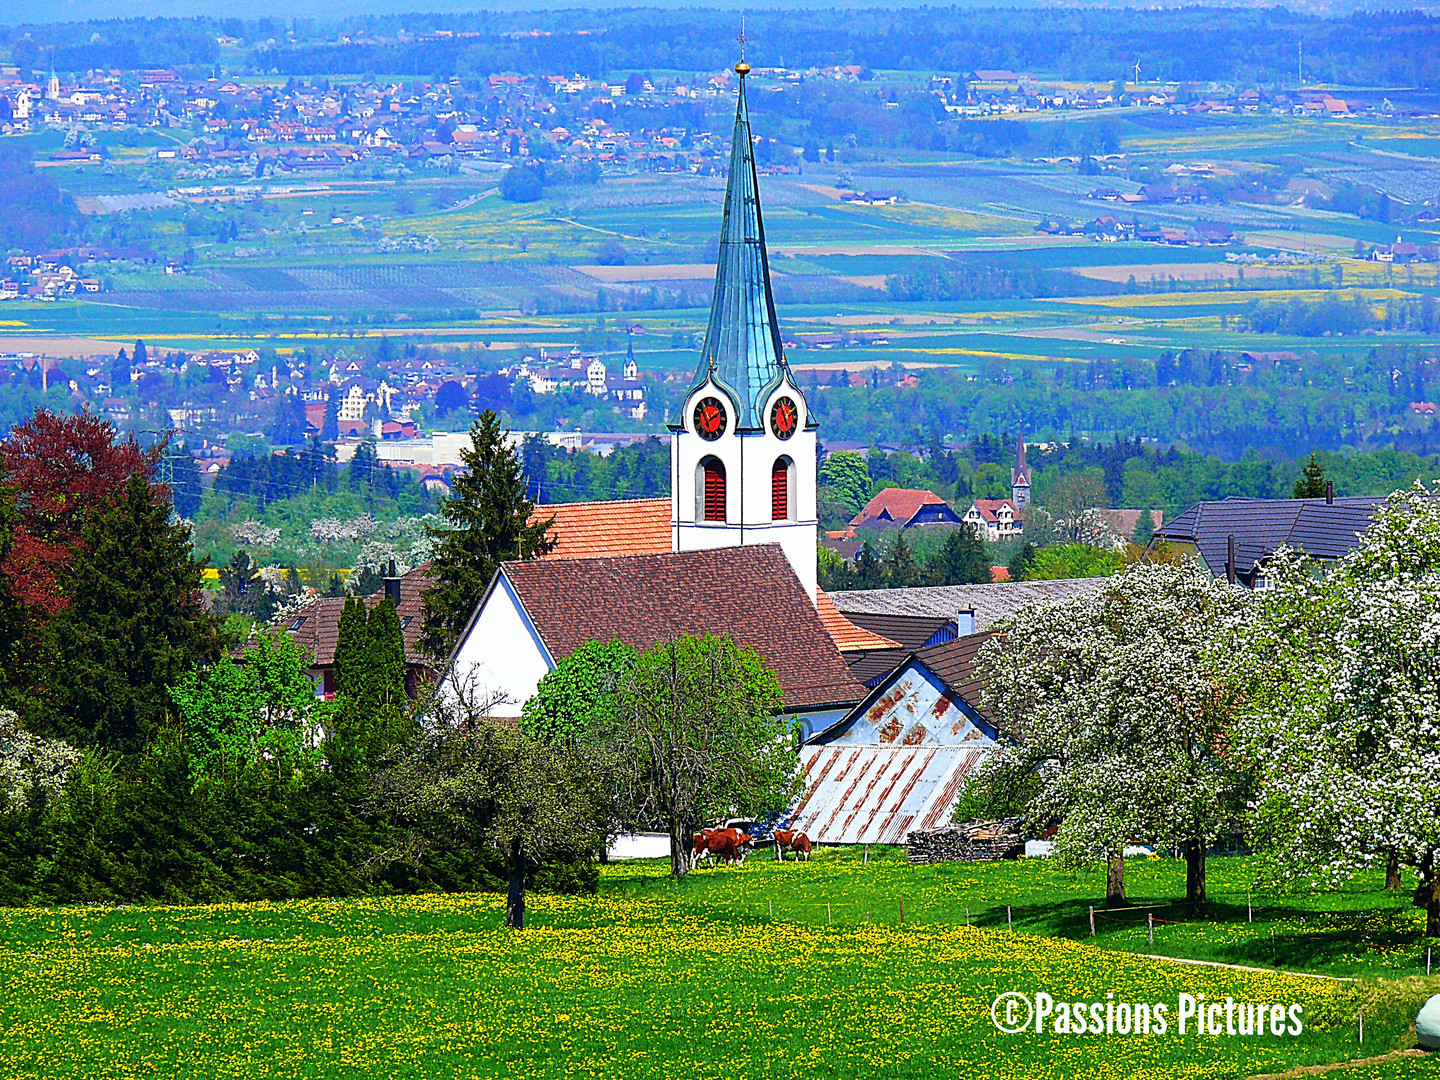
[(1326, 529), (899, 760)]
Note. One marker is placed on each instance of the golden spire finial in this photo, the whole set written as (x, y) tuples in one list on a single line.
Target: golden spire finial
[(742, 68)]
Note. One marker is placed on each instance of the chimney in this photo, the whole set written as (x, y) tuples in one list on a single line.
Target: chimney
[(965, 622), (1329, 492), (1230, 558), (392, 590)]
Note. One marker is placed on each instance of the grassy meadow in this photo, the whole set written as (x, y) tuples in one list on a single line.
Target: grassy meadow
[(696, 979)]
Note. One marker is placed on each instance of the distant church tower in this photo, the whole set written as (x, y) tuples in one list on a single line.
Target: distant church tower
[(52, 89), (1020, 479), (742, 452)]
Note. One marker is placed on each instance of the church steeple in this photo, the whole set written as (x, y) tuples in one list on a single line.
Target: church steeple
[(743, 466), (742, 352), (1020, 479)]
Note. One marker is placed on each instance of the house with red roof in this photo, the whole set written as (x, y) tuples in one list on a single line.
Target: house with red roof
[(996, 519), (904, 508)]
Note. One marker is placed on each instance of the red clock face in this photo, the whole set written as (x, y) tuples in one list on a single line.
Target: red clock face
[(710, 419), (783, 418)]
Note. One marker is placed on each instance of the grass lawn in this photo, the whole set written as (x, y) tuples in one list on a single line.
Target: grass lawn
[(655, 979)]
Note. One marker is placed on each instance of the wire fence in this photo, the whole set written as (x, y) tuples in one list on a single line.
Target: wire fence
[(847, 913)]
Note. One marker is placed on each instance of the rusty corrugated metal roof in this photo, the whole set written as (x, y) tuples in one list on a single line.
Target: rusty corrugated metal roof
[(875, 794)]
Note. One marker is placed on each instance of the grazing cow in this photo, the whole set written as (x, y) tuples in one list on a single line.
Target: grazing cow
[(787, 840), (726, 844)]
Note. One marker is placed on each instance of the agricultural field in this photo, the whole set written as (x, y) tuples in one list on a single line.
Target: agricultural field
[(803, 970), (442, 258)]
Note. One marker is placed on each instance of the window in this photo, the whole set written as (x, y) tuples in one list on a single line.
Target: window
[(782, 490), (710, 489)]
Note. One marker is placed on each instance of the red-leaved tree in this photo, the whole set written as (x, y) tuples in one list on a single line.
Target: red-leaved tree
[(61, 470)]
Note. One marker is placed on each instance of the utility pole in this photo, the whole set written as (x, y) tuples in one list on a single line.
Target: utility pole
[(1300, 61)]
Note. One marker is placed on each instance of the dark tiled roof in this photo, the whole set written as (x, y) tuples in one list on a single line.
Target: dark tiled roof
[(318, 626), (1320, 529), (750, 593), (953, 663), (910, 631), (871, 664)]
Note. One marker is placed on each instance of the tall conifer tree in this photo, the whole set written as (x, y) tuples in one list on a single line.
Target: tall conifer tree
[(487, 522)]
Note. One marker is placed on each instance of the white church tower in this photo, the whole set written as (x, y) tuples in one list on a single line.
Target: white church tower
[(742, 453)]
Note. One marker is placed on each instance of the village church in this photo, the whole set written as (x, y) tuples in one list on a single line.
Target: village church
[(732, 551)]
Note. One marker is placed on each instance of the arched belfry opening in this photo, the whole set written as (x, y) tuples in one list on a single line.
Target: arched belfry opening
[(782, 489), (710, 489)]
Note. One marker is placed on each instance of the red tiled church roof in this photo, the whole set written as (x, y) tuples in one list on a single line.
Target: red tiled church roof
[(847, 636), (592, 530), (750, 593)]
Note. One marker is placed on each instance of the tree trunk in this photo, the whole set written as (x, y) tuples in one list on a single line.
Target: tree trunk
[(515, 895), (1195, 875), (1427, 896), (1392, 873), (679, 856), (1115, 881)]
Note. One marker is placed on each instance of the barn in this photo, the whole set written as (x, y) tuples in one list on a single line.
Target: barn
[(899, 760)]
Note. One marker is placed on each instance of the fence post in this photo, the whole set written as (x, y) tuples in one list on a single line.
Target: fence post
[(1249, 907), (902, 909), (772, 910), (1362, 1027), (1092, 920), (827, 915), (867, 856), (1427, 959), (967, 914), (1151, 918), (1009, 922)]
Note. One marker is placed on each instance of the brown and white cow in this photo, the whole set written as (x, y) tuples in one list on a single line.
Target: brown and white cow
[(725, 844), (788, 840)]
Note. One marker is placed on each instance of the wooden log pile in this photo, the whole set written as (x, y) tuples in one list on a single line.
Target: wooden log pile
[(974, 841)]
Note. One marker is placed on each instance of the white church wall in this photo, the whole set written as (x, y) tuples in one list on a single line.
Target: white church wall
[(748, 459), (501, 656)]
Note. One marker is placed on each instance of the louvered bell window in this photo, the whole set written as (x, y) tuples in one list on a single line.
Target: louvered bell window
[(714, 490), (780, 490)]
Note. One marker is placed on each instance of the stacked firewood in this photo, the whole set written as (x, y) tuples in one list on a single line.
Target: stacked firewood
[(974, 841)]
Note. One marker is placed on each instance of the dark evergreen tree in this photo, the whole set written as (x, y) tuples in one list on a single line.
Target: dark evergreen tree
[(901, 569), (185, 489), (487, 522), (961, 560), (120, 372), (1144, 528), (1019, 566), (352, 648), (134, 624), (140, 356), (1311, 484)]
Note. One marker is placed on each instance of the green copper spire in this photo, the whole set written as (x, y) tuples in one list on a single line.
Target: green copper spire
[(742, 349)]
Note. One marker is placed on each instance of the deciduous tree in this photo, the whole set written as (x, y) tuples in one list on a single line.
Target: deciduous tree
[(700, 725), (1342, 706), (62, 469), (1111, 700)]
